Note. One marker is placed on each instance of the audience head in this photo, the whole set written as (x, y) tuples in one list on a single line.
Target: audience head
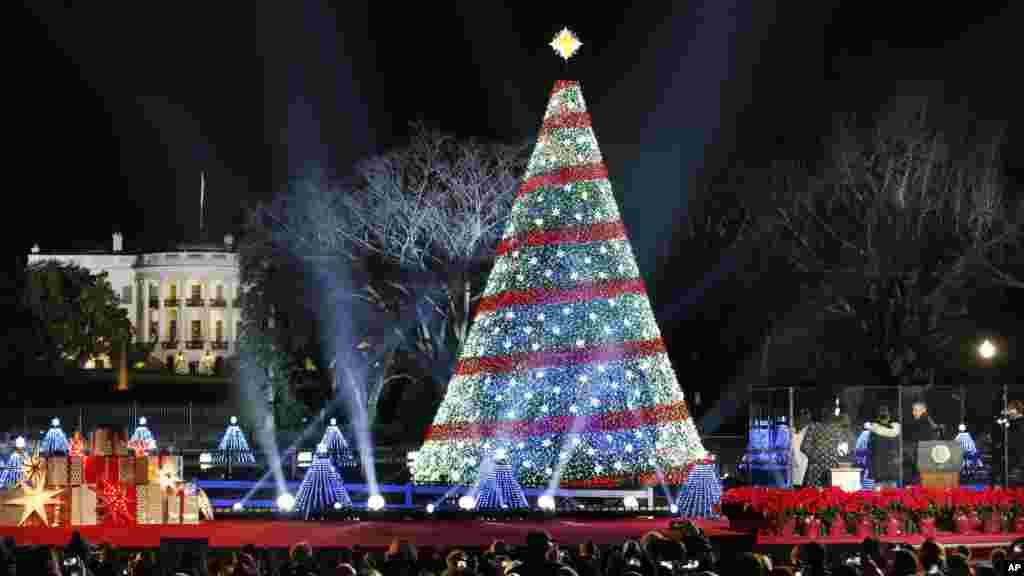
[(932, 554), (402, 551), (458, 561), (956, 565), (812, 554), (589, 550), (301, 552), (538, 544), (902, 562), (344, 569), (748, 563), (964, 551), (871, 548), (782, 571)]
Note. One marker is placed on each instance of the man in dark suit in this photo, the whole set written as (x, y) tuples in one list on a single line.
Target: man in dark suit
[(921, 428)]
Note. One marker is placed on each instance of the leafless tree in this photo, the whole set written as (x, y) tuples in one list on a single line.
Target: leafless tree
[(888, 239), (413, 234)]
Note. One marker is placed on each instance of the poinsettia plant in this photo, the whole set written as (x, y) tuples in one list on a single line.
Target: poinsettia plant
[(831, 502)]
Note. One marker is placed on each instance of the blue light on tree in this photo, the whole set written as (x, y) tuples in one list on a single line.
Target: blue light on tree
[(500, 489), (701, 493), (233, 447), (322, 489), (55, 442), (337, 447), (142, 439)]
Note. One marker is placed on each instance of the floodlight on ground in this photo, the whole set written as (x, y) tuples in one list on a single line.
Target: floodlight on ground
[(674, 509), (467, 502), (286, 502), (237, 507), (430, 508), (546, 502), (631, 503), (987, 350), (376, 502)]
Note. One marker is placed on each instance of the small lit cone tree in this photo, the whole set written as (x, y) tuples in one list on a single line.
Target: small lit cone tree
[(701, 493), (233, 447), (142, 440), (564, 367), (322, 489), (337, 447), (499, 489), (55, 442), (13, 470)]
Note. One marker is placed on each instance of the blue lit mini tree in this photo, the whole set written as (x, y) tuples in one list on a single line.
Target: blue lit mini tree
[(500, 490), (142, 439), (233, 448), (322, 489), (12, 471), (337, 447), (55, 442), (701, 493)]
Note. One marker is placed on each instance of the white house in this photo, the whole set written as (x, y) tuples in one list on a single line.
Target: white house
[(186, 300)]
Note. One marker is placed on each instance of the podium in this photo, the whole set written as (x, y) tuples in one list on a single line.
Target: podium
[(939, 463), (846, 478)]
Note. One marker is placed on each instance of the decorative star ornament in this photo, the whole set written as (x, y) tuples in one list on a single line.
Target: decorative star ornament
[(566, 44), (113, 498), (32, 470), (34, 500)]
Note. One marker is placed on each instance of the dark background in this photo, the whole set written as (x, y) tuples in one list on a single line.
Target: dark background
[(118, 106)]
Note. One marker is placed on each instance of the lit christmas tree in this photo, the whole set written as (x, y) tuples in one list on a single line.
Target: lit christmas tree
[(321, 490), (337, 447), (142, 440), (500, 489), (233, 448), (55, 442), (12, 472), (701, 493), (564, 367)]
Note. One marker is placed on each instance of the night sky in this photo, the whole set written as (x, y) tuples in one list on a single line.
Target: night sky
[(121, 105)]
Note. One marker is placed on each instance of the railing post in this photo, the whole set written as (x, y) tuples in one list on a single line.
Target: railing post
[(650, 498)]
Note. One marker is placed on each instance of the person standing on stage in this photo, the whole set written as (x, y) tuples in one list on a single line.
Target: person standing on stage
[(1015, 433), (827, 444), (885, 449), (920, 429), (797, 458)]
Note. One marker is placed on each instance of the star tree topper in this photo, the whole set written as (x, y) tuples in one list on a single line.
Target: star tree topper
[(566, 44)]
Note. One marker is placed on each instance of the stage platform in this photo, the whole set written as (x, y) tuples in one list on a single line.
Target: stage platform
[(369, 534)]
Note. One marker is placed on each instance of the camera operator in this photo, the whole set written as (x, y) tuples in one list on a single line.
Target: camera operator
[(668, 557), (458, 564)]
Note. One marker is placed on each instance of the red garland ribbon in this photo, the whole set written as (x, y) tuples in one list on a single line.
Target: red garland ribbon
[(562, 85), (574, 235), (545, 358), (564, 176), (581, 293), (565, 120), (609, 422)]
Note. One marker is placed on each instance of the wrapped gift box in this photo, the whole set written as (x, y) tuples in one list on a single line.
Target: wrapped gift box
[(107, 442), (142, 470), (182, 502), (102, 468), (57, 471), (77, 471), (163, 463), (126, 470), (150, 504), (83, 506)]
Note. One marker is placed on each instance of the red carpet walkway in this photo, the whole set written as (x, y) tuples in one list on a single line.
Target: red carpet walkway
[(282, 534)]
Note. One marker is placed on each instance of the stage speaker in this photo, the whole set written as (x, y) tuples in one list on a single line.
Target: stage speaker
[(184, 554)]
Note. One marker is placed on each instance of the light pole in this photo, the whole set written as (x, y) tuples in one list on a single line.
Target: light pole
[(988, 351)]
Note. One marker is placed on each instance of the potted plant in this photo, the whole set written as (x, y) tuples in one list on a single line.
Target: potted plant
[(830, 506)]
